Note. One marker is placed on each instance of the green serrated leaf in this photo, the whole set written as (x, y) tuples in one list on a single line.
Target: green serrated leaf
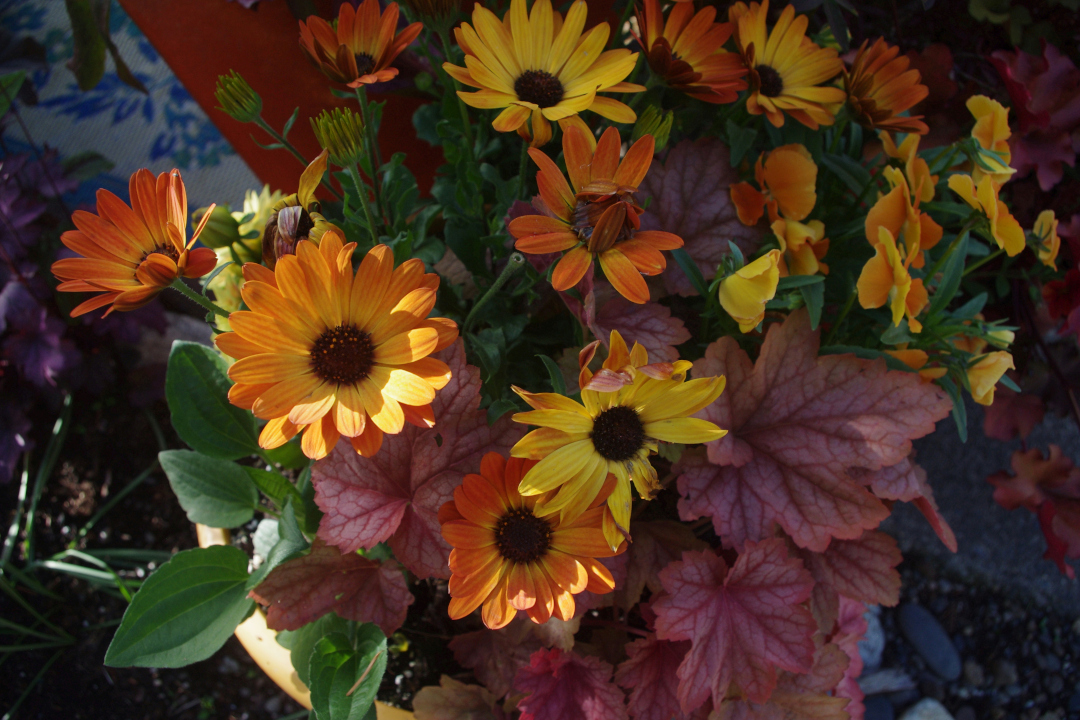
[(197, 389), (212, 492), (10, 83), (185, 611)]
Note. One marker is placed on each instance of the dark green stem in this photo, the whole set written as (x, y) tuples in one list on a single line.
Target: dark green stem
[(843, 316), (444, 38), (996, 254), (179, 286), (515, 262), (523, 165), (361, 190), (374, 155)]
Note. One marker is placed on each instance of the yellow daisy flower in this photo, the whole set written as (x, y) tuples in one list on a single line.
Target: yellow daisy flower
[(786, 68), (541, 67), (335, 353), (626, 408)]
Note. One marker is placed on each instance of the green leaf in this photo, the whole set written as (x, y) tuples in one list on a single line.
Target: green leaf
[(558, 384), (212, 492), (197, 389), (499, 408), (740, 140), (273, 485), (88, 47), (959, 410), (814, 297), (289, 544), (849, 170), (302, 642), (951, 277), (798, 281), (10, 84), (289, 123), (346, 675), (84, 165), (184, 611), (289, 455), (971, 308), (692, 271)]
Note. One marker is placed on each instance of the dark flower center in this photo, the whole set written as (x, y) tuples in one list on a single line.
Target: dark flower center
[(364, 64), (618, 433), (771, 82), (539, 87), (343, 355), (522, 537), (167, 250)]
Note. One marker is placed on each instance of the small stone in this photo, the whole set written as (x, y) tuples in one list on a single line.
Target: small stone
[(966, 713), (1014, 690), (1052, 663), (1076, 626), (228, 666), (878, 707), (1005, 673), (973, 673), (927, 709), (1074, 703), (872, 646), (932, 687), (273, 705), (1055, 684), (885, 681), (903, 698), (929, 639)]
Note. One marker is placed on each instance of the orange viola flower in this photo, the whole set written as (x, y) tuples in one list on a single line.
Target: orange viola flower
[(686, 51), (880, 86), (130, 254), (916, 360), (898, 212), (803, 246), (787, 177), (992, 133), (885, 279), (507, 559), (1003, 227), (920, 181), (786, 68), (1049, 243), (595, 215), (360, 50)]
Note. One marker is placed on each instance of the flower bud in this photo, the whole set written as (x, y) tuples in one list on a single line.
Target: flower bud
[(341, 133), (238, 100), (984, 375), (744, 294), (655, 122), (221, 229)]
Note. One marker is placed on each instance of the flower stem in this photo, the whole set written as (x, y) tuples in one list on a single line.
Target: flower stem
[(617, 35), (179, 286), (513, 264), (361, 190), (374, 155), (997, 253), (522, 167), (444, 38), (843, 315), (292, 149)]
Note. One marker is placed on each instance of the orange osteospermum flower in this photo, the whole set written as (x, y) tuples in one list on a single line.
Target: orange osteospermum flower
[(686, 51), (595, 216), (880, 86), (130, 254), (786, 68), (336, 354), (787, 177), (541, 68), (886, 279), (506, 558), (898, 211), (360, 50)]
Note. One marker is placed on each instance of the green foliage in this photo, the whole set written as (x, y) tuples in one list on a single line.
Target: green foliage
[(213, 492)]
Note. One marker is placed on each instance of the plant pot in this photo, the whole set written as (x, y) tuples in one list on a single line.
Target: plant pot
[(261, 644)]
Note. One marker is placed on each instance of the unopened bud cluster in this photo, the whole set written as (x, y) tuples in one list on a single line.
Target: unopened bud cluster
[(341, 133), (238, 100)]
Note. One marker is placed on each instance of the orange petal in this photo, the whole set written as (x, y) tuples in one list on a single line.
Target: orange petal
[(571, 268), (624, 277)]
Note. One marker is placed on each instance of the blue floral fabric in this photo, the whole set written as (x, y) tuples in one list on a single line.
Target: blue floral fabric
[(161, 130)]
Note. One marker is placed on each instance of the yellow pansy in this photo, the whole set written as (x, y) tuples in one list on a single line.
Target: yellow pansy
[(992, 132), (803, 246), (744, 294), (983, 376), (1049, 243), (885, 280), (1004, 228)]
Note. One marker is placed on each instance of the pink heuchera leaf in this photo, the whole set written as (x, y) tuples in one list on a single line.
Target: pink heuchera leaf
[(907, 481), (395, 496), (649, 675), (862, 569), (801, 428), (453, 700), (799, 697), (650, 324), (1047, 152), (1012, 415), (851, 628), (742, 623), (356, 588), (564, 685), (495, 656), (657, 544), (690, 198)]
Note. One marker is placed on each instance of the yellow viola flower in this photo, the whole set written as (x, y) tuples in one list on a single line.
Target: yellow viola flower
[(541, 68), (898, 212), (803, 246), (885, 279), (983, 376), (992, 132), (1046, 226), (1004, 228), (920, 181), (744, 294), (626, 409)]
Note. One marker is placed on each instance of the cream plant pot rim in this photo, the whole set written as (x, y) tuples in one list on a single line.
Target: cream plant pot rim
[(261, 644)]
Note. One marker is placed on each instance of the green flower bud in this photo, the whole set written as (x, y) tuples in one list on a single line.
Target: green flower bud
[(238, 100), (221, 229), (341, 133), (655, 122)]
